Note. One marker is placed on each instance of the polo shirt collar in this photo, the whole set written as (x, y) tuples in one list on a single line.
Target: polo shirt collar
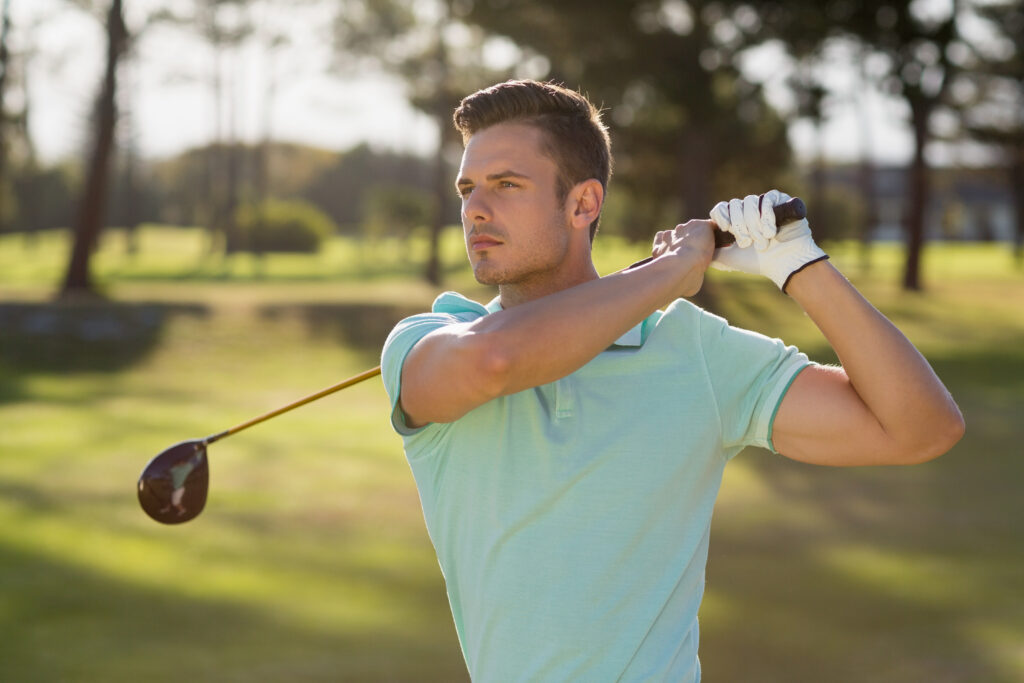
[(633, 337)]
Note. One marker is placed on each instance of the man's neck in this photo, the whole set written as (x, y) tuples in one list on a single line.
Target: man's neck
[(514, 294)]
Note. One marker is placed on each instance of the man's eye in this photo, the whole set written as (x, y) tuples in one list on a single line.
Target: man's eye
[(508, 183), (463, 192)]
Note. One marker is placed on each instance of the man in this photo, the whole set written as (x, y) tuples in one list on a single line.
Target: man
[(568, 439)]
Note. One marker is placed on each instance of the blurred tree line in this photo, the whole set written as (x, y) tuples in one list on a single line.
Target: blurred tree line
[(362, 192), (691, 122)]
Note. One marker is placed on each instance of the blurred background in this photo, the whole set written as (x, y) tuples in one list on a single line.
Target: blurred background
[(209, 208)]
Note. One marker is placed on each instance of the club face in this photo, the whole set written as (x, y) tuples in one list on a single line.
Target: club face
[(173, 486)]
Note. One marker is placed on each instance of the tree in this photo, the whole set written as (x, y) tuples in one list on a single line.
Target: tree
[(224, 24), (439, 58), (396, 210), (917, 46), (916, 40), (92, 204), (5, 68), (993, 111), (689, 128), (343, 189)]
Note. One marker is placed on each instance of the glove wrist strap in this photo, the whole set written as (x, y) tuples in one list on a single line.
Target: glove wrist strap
[(823, 257)]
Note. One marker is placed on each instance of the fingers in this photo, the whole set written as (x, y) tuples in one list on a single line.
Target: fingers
[(694, 234), (769, 200), (751, 219), (731, 217), (775, 197), (737, 225), (722, 216), (662, 240)]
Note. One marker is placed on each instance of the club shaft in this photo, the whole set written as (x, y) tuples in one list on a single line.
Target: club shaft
[(292, 406)]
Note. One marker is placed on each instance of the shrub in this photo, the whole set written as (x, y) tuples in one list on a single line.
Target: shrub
[(396, 210), (279, 225)]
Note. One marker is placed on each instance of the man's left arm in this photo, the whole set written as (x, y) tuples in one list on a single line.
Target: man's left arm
[(885, 404)]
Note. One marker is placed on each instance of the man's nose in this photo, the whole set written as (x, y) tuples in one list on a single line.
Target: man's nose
[(475, 208)]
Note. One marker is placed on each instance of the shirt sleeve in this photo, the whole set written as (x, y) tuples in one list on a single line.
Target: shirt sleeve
[(399, 343), (449, 308), (749, 374)]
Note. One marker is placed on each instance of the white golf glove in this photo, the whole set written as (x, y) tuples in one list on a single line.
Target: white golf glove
[(761, 247)]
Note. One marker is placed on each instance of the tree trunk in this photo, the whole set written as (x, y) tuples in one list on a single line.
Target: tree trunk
[(432, 273), (215, 149), (5, 65), (824, 225), (866, 171), (1017, 190), (869, 199), (442, 183), (129, 194), (917, 198), (92, 206)]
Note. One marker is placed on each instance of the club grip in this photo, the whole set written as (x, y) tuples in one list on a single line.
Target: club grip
[(785, 213)]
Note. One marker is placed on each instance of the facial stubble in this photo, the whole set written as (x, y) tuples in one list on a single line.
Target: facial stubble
[(541, 257)]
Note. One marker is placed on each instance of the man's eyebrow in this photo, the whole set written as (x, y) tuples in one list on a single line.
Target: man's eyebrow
[(507, 174), (500, 175)]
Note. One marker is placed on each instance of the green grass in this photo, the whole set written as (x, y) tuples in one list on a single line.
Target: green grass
[(311, 561)]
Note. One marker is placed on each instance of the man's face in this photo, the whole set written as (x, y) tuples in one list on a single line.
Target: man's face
[(516, 230)]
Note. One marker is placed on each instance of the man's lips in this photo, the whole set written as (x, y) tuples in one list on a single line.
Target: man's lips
[(481, 242)]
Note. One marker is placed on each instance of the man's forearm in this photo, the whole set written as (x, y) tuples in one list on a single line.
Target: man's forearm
[(887, 372), (553, 336)]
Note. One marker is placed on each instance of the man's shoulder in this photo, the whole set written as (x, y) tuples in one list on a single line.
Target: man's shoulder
[(683, 316), (454, 303), (682, 311), (684, 322), (448, 308)]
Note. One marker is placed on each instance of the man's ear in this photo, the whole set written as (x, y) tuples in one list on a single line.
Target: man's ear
[(584, 202)]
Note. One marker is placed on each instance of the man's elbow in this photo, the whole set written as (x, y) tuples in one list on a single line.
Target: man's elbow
[(485, 368), (471, 372), (493, 366), (937, 440)]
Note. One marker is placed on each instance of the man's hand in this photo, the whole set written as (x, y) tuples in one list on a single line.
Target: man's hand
[(694, 242), (762, 249)]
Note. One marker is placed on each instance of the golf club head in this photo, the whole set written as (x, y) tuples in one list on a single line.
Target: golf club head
[(173, 486)]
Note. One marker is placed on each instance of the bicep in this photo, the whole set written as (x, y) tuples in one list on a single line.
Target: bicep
[(823, 421), (445, 375)]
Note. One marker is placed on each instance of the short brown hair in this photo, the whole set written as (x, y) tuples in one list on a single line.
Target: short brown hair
[(575, 137)]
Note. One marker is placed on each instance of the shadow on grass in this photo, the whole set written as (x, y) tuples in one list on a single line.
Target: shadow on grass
[(102, 336), (799, 618), (248, 269), (360, 326), (62, 622)]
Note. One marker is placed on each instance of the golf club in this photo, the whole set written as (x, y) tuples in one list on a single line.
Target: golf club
[(173, 486)]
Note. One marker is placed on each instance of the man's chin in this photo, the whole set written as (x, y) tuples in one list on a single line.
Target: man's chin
[(485, 274)]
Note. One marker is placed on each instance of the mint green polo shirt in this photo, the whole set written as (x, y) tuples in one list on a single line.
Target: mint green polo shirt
[(571, 520)]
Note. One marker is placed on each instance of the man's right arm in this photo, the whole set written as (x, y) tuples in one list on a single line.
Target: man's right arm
[(459, 367)]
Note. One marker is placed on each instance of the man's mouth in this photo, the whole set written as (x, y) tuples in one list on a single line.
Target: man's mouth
[(482, 242)]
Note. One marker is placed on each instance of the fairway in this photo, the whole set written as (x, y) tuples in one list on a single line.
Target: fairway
[(311, 561)]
